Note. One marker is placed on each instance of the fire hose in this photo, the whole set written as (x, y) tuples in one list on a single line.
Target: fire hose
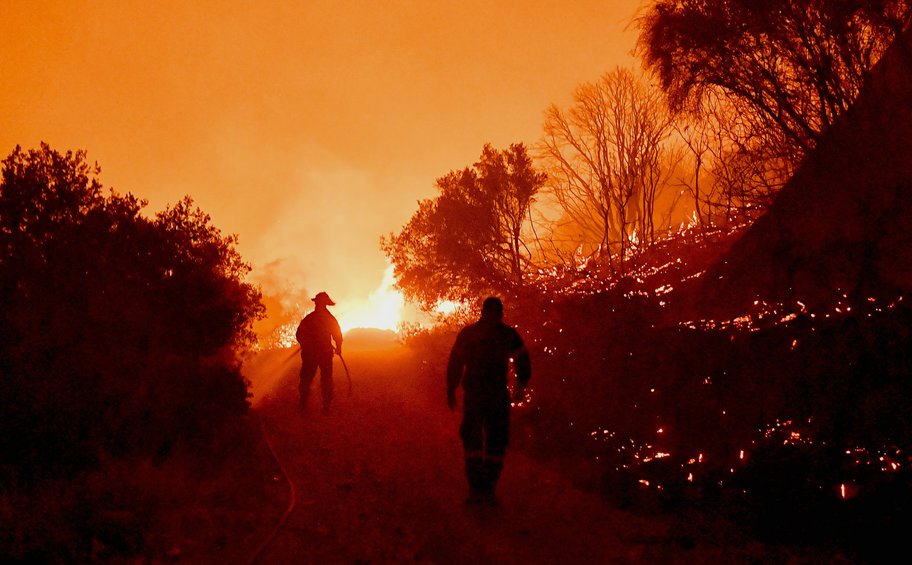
[(291, 489), (347, 374), (291, 498)]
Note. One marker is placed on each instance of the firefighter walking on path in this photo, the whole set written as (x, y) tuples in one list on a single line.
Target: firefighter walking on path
[(480, 361), (316, 334)]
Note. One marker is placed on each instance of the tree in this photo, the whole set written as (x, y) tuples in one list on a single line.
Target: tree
[(118, 333), (607, 161), (788, 68), (510, 180), (734, 171), (469, 240)]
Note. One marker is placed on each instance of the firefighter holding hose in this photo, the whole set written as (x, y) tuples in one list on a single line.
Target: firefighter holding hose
[(316, 334)]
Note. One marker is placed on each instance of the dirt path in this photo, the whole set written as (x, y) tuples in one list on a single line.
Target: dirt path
[(379, 480)]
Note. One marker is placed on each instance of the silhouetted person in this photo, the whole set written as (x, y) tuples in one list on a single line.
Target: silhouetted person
[(480, 361), (316, 334)]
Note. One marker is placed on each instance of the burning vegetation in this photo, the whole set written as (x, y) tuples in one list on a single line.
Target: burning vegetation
[(754, 360), (716, 298), (789, 420)]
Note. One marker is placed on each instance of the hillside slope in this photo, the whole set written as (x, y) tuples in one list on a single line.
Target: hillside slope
[(842, 223)]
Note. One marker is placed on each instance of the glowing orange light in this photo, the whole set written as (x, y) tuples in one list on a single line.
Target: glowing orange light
[(446, 307), (381, 310)]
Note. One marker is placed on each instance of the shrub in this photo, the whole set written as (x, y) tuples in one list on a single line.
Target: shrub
[(118, 332)]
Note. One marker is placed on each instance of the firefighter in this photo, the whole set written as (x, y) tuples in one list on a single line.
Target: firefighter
[(316, 334), (480, 361)]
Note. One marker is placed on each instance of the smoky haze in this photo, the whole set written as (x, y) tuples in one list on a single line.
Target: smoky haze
[(308, 129)]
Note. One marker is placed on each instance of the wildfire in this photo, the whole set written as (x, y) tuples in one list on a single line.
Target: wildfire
[(381, 310), (446, 307)]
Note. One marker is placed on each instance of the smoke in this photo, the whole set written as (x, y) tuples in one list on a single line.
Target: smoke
[(284, 301), (323, 235)]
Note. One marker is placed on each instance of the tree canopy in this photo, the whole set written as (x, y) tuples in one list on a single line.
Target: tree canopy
[(119, 331), (469, 239), (791, 66)]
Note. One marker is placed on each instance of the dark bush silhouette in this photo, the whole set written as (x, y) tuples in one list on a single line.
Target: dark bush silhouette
[(118, 332)]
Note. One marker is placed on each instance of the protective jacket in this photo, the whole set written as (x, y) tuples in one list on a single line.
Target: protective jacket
[(480, 361), (315, 332)]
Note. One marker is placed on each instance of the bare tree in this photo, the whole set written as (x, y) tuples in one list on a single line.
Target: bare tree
[(605, 157), (735, 168), (696, 141)]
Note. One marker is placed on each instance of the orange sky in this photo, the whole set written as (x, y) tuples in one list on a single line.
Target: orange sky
[(307, 128)]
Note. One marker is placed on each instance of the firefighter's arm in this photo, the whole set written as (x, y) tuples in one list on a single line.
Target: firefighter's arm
[(523, 366), (455, 368), (337, 337)]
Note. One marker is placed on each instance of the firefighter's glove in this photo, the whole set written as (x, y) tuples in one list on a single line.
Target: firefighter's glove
[(451, 400)]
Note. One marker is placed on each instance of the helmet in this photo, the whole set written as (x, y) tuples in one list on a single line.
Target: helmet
[(323, 298)]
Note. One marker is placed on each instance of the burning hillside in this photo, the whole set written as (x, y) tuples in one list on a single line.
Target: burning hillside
[(760, 370)]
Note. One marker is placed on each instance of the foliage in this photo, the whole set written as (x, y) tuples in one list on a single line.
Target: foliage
[(785, 70), (469, 240), (118, 331)]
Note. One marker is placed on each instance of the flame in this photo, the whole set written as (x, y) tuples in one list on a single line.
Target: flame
[(381, 310), (446, 307)]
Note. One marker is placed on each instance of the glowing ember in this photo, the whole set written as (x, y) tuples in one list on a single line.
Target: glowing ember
[(524, 401)]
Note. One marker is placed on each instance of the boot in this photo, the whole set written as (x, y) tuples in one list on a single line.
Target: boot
[(491, 474), (475, 474)]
